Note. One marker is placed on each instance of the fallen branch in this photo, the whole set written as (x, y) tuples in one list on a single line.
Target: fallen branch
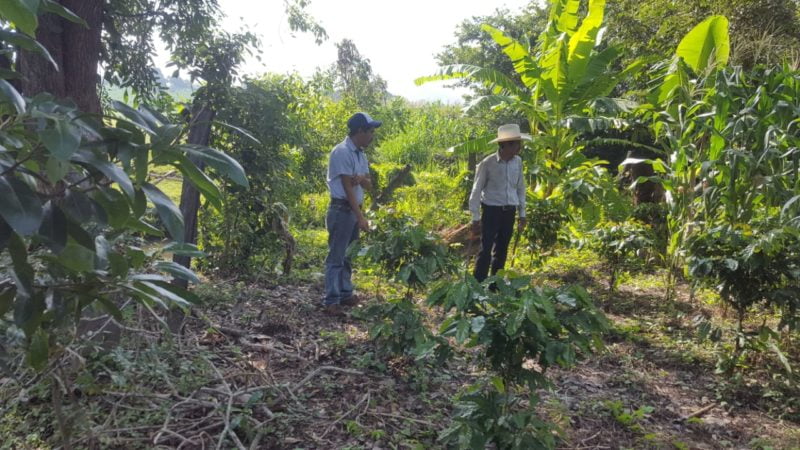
[(330, 427), (320, 369), (700, 412), (397, 416), (271, 348)]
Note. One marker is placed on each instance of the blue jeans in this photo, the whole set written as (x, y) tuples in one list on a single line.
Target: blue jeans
[(342, 227)]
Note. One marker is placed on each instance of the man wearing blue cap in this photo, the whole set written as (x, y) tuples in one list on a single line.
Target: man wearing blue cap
[(348, 175)]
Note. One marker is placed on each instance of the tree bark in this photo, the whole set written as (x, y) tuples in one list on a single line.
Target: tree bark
[(38, 74), (76, 51), (82, 55), (199, 134)]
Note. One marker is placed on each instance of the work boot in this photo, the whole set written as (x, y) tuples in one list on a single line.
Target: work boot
[(334, 309), (352, 300)]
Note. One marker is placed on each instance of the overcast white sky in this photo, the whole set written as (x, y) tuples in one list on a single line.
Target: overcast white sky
[(400, 37)]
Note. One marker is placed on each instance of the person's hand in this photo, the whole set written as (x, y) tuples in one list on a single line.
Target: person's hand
[(363, 224), (476, 228), (521, 223)]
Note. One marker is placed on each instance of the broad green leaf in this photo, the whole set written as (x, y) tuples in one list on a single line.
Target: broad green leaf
[(708, 38), (7, 299), (22, 13), (201, 181), (118, 266), (554, 72), (133, 117), (139, 205), (499, 384), (110, 307), (56, 169), (178, 271), (28, 312), (478, 145), (781, 356), (143, 227), (77, 258), (145, 294), (19, 206), (184, 249), (55, 8), (54, 227), (166, 135), (178, 291), (524, 65), (39, 350), (111, 171), (62, 140), (27, 43), (167, 211), (221, 162), (478, 323), (11, 95), (163, 291), (499, 82), (462, 330), (115, 205), (242, 131), (567, 19), (79, 235), (582, 43)]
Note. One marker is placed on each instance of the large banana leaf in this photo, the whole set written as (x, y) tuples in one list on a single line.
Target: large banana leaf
[(477, 145), (554, 72), (493, 101), (567, 21), (582, 43), (601, 83), (524, 65), (499, 82), (709, 38)]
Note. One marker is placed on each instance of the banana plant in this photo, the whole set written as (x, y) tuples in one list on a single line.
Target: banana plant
[(564, 76), (686, 116)]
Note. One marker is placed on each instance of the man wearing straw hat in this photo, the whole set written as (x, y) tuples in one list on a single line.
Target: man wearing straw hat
[(497, 195)]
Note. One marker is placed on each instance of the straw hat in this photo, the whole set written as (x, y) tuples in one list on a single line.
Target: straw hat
[(510, 132)]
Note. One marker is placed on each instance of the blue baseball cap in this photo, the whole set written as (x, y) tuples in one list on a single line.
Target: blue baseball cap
[(361, 120)]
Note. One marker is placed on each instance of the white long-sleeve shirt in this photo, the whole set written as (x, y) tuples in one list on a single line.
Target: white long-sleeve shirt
[(498, 183)]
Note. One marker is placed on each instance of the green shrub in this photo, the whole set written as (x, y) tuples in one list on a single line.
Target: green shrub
[(622, 246), (750, 266)]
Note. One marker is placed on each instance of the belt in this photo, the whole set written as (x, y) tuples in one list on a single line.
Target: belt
[(341, 202), (500, 207)]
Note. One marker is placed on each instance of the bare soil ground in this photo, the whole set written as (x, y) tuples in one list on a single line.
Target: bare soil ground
[(266, 367)]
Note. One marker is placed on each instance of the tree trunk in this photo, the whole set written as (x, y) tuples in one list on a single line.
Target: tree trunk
[(76, 51), (38, 74), (199, 134), (82, 54)]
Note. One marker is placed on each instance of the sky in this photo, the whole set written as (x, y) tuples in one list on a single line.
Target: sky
[(399, 37)]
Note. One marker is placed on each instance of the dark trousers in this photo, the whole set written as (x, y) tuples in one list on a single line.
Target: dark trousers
[(497, 226)]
